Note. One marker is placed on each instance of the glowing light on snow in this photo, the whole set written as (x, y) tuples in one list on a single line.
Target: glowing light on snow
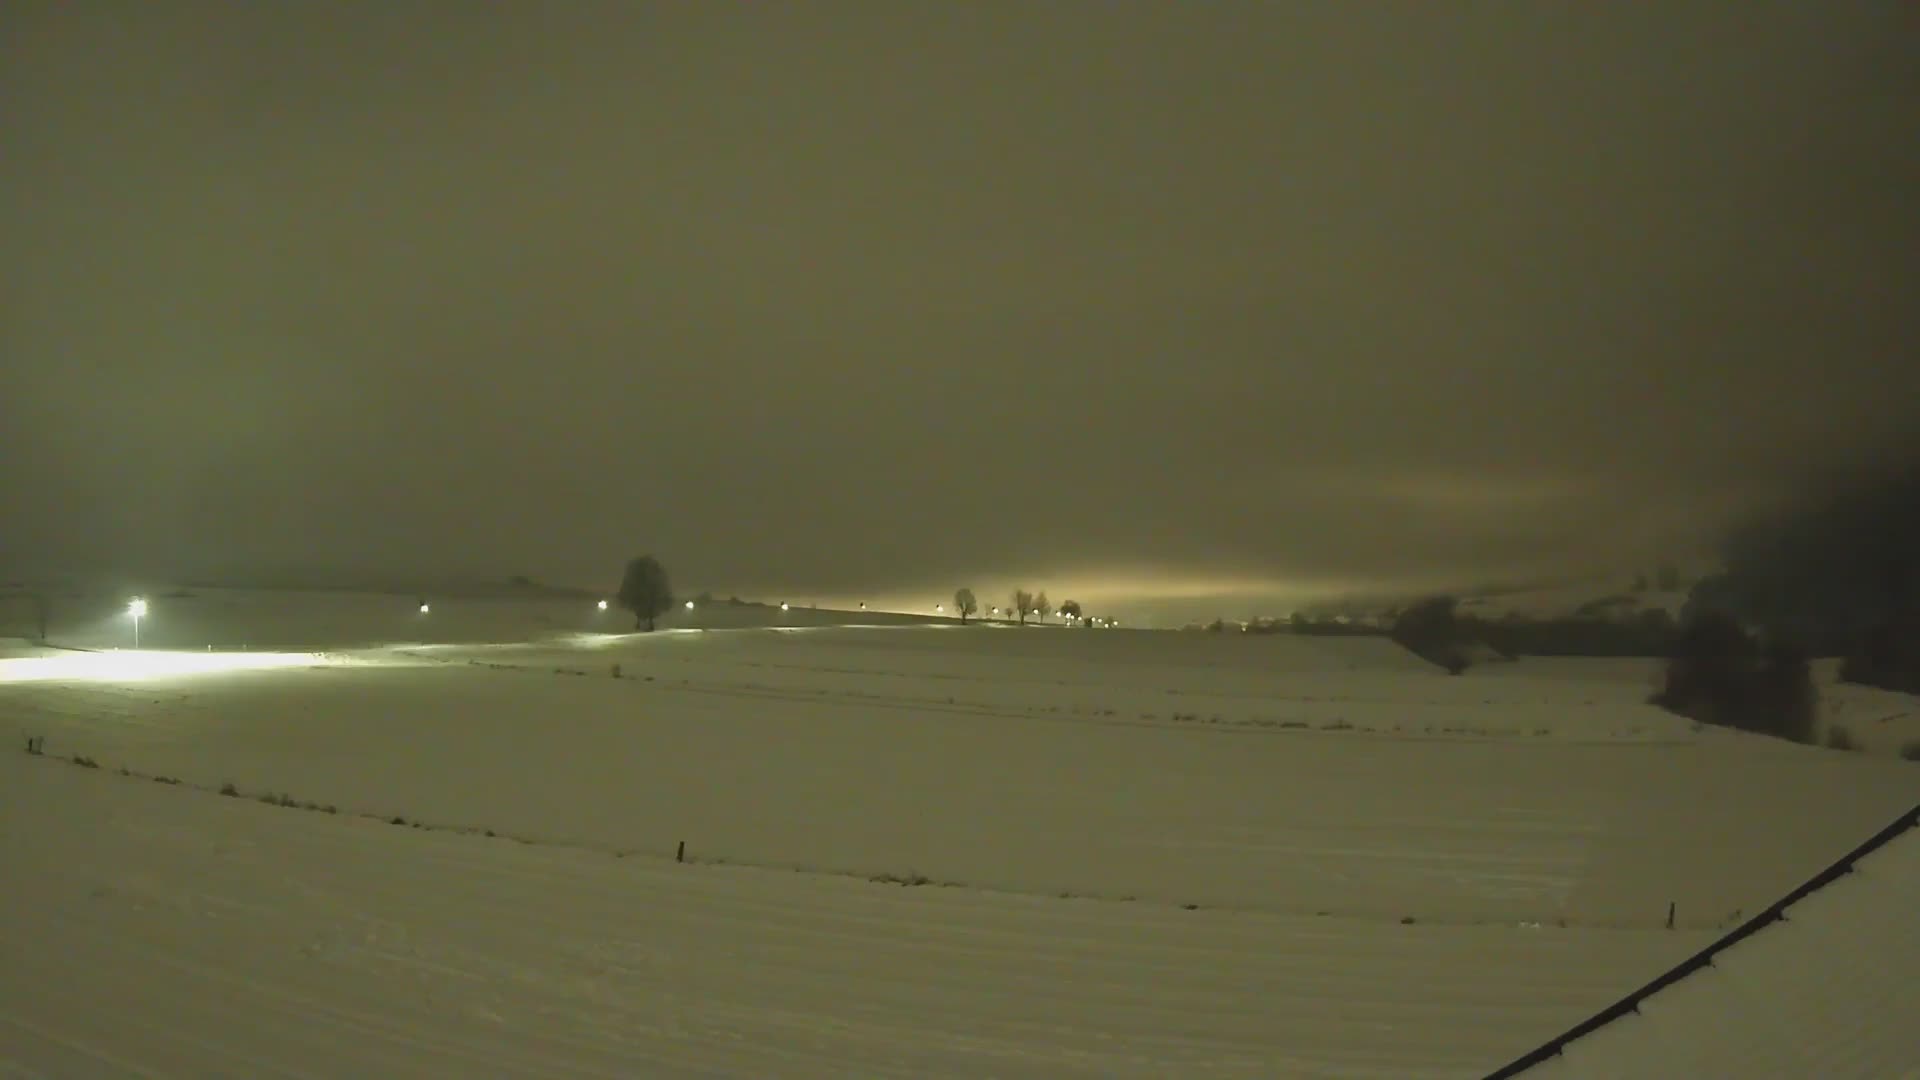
[(577, 641), (138, 666)]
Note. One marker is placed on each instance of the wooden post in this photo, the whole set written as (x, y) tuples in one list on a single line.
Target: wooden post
[(1669, 914), (681, 855)]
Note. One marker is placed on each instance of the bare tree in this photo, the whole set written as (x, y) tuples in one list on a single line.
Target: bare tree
[(965, 604), (1070, 608), (1040, 607), (1022, 603)]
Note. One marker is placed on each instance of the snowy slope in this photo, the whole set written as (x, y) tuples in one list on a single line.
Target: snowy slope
[(148, 930), (1826, 990), (1161, 853), (1879, 721), (1088, 789), (1614, 598)]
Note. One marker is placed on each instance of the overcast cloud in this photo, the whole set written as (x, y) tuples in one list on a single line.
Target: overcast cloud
[(1146, 301)]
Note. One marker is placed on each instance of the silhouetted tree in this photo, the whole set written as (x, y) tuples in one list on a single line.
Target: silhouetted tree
[(1708, 675), (645, 591), (1022, 603), (965, 604), (1783, 700), (1719, 674), (1040, 605), (1667, 578), (1070, 608), (1431, 630)]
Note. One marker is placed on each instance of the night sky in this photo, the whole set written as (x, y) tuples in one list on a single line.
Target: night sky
[(1126, 301)]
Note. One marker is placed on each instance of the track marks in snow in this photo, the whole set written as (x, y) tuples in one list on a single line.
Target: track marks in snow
[(197, 935), (1317, 715)]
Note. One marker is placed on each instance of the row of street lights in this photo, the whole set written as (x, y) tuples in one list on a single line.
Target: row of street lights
[(137, 609)]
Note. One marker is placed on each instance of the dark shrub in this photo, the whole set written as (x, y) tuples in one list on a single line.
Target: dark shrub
[(1719, 674), (1431, 630), (1783, 701)]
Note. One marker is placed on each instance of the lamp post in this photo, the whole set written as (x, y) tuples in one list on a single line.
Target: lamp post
[(136, 608)]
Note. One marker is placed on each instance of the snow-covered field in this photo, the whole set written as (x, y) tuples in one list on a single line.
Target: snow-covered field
[(1140, 853)]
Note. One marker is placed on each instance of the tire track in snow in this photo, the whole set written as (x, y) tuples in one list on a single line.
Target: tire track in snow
[(598, 967)]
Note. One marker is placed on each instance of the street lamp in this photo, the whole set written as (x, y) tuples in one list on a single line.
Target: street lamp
[(939, 608), (689, 605), (424, 608), (137, 607), (602, 605), (783, 605)]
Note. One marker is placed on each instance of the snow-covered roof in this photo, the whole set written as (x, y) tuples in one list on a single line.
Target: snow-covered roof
[(1824, 983)]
